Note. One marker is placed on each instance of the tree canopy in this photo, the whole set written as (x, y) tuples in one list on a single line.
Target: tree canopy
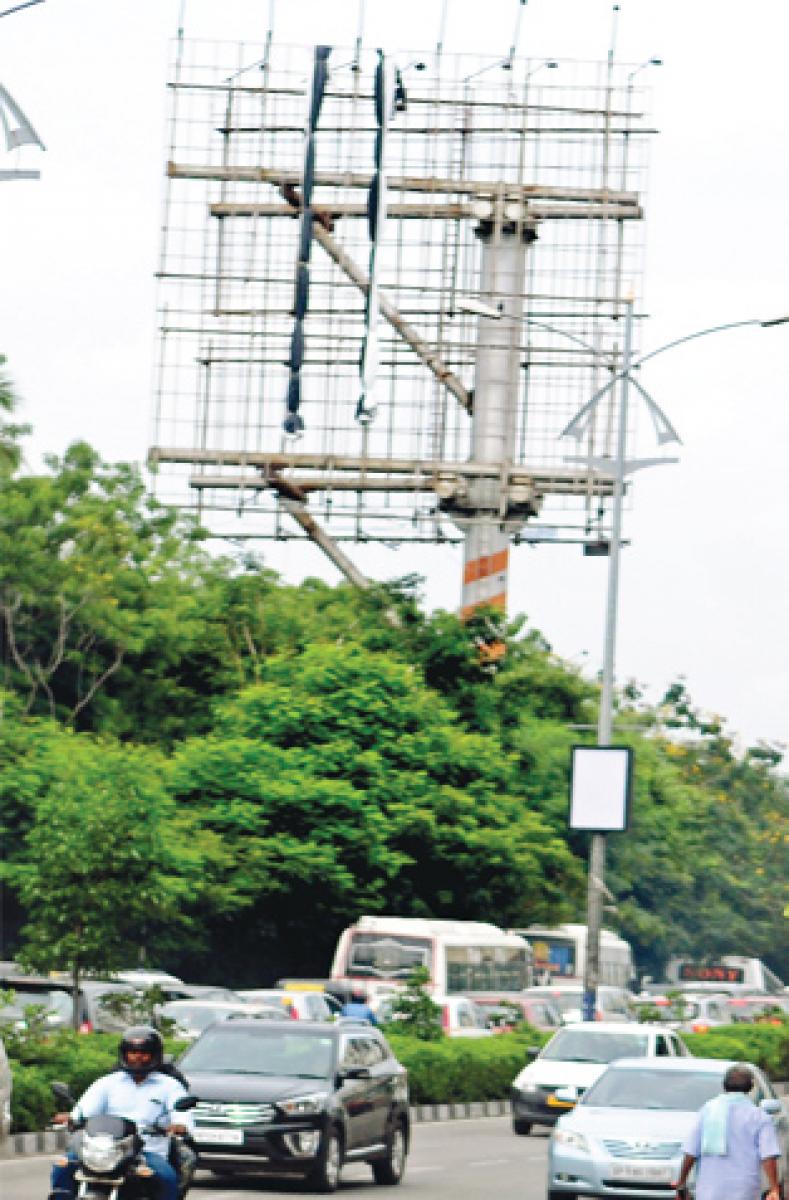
[(225, 769)]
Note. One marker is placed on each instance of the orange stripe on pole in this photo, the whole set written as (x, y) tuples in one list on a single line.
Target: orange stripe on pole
[(499, 601), (486, 565)]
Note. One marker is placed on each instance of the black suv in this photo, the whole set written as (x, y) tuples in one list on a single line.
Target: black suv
[(298, 1098)]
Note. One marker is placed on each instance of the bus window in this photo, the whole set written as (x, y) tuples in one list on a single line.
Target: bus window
[(486, 969), (384, 956)]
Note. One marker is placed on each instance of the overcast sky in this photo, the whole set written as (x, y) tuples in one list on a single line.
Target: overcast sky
[(704, 579)]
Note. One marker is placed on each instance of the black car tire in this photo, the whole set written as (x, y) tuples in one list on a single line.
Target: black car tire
[(325, 1177), (522, 1127), (390, 1170), (554, 1195)]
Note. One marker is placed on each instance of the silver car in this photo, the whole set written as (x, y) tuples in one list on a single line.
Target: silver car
[(624, 1138)]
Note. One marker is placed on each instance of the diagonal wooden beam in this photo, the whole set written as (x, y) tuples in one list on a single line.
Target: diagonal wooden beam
[(294, 502)]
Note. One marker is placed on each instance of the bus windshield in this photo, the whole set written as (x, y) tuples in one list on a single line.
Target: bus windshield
[(388, 955)]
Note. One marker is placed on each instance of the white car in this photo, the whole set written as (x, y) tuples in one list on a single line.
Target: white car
[(191, 1017), (575, 1057), (300, 1006), (613, 1003), (625, 1138)]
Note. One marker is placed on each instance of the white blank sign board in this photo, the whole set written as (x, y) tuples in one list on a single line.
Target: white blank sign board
[(600, 783)]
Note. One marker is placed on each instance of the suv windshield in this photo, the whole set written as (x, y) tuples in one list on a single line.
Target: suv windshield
[(261, 1051), (680, 1091), (589, 1045)]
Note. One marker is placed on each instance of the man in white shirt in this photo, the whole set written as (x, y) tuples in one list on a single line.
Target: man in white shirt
[(139, 1091)]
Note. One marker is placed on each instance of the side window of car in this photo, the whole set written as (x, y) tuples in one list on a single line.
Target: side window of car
[(374, 1052), (353, 1053), (661, 1045)]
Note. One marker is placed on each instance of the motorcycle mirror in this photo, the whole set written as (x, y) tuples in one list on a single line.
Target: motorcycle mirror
[(62, 1092), (185, 1103)]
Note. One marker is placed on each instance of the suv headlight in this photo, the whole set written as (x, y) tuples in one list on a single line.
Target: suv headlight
[(304, 1106), (566, 1137)]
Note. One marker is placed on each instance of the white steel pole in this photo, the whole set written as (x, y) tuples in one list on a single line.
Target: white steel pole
[(596, 881), (494, 417)]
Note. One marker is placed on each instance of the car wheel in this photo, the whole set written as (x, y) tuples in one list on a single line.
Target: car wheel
[(326, 1176), (392, 1168), (520, 1126), (554, 1195)]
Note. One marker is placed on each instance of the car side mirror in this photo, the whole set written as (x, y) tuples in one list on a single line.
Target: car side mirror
[(184, 1103), (773, 1107), (566, 1095), (532, 1052), (354, 1072)]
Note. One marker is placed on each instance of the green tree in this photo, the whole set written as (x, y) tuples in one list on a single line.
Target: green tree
[(90, 572), (108, 864), (341, 782)]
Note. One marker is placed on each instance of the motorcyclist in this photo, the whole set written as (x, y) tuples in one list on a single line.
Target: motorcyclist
[(139, 1091)]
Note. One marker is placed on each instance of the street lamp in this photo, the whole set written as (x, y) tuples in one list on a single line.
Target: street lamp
[(619, 468)]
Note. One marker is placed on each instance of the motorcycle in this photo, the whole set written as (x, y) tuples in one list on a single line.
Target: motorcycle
[(109, 1152)]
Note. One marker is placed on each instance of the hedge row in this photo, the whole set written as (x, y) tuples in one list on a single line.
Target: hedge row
[(450, 1070)]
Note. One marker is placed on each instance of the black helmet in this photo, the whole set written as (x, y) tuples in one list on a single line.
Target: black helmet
[(142, 1037)]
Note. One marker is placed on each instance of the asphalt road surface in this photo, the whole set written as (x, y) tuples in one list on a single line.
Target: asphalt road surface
[(451, 1160)]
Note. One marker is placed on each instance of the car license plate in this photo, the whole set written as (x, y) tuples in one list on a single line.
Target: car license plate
[(221, 1137), (650, 1173)]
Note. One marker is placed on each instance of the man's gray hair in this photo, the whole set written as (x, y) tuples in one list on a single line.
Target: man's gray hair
[(737, 1079)]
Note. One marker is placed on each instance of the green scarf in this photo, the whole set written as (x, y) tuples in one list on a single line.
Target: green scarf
[(714, 1121)]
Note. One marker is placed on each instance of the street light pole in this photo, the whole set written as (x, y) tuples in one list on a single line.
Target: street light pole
[(596, 888), (597, 848)]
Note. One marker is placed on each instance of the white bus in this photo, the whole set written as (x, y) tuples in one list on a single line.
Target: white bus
[(462, 957), (729, 973), (560, 955)]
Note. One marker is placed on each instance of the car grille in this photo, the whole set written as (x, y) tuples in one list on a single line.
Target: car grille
[(632, 1148), (224, 1113)]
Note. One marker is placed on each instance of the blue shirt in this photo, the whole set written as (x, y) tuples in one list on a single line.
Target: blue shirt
[(737, 1175), (149, 1102), (362, 1012)]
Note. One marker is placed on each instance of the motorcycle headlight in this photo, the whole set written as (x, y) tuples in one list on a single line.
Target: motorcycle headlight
[(566, 1137), (100, 1152), (304, 1106)]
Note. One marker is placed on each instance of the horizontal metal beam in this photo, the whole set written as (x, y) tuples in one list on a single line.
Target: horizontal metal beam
[(319, 483), (466, 100), (405, 183), (569, 480), (439, 212)]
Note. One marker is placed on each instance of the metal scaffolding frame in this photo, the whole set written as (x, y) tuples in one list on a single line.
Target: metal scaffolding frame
[(513, 238)]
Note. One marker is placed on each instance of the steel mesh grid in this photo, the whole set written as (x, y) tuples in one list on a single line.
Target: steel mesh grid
[(227, 283)]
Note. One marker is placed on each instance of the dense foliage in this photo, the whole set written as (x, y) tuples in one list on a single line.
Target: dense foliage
[(207, 768), (444, 1071)]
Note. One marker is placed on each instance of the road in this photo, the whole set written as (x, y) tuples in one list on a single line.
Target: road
[(452, 1160)]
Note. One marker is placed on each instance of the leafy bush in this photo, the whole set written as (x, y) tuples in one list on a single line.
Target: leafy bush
[(456, 1070), (415, 1014), (765, 1045)]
